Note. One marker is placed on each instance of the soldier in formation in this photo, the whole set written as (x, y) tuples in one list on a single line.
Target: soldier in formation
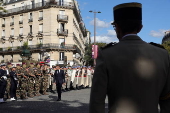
[(26, 81)]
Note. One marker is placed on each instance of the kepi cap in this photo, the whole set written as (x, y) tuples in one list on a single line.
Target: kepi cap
[(127, 11)]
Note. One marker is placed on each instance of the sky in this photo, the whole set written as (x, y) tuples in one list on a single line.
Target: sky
[(155, 19)]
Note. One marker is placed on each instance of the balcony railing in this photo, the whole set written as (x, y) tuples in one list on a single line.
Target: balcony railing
[(39, 47), (40, 32), (61, 32), (3, 25), (40, 18), (62, 18), (39, 5), (21, 34), (12, 23), (30, 33), (20, 22), (30, 20), (11, 36)]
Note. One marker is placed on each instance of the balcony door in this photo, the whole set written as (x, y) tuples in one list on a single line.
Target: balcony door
[(61, 2), (62, 42), (61, 56), (62, 13), (61, 27)]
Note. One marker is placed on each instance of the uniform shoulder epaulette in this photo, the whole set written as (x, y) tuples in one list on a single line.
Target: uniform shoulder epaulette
[(157, 45), (109, 45)]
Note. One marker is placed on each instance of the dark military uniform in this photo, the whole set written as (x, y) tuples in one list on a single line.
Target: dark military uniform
[(133, 74)]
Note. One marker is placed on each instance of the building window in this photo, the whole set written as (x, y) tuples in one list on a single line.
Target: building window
[(3, 34), (32, 2), (12, 19), (61, 2), (61, 56), (62, 12), (21, 31), (41, 14), (30, 16), (12, 31), (31, 29), (3, 21), (29, 42), (40, 28), (62, 42), (21, 18), (61, 26), (21, 43)]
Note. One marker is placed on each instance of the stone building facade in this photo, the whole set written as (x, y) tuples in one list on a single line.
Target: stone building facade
[(53, 29)]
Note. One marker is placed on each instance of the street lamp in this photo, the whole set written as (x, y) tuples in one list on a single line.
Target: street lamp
[(94, 32)]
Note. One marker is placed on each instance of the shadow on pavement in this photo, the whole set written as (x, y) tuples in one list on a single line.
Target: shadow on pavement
[(44, 106)]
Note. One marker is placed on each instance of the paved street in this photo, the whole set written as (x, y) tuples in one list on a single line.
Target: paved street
[(72, 102)]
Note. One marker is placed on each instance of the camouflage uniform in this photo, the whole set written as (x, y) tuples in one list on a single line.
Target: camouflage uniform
[(18, 72), (37, 84), (31, 82), (23, 87), (7, 93), (44, 81)]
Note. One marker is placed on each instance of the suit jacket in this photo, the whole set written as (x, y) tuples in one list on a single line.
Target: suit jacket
[(134, 75), (13, 77), (59, 77)]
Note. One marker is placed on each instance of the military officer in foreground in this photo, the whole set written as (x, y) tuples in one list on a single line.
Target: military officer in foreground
[(133, 74)]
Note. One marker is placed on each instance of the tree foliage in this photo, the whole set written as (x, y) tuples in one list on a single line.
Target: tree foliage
[(167, 46), (1, 8), (88, 52)]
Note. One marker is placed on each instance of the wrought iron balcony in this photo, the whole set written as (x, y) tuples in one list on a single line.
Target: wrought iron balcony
[(30, 20), (11, 36), (3, 25), (3, 39), (39, 5), (40, 18), (21, 34), (61, 32), (38, 48), (20, 22), (40, 32), (62, 18), (12, 23), (30, 33)]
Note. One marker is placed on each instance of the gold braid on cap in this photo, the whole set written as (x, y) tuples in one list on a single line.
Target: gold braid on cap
[(133, 4)]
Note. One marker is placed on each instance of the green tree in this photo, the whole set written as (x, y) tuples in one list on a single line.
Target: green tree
[(88, 52), (167, 46), (25, 45), (1, 8)]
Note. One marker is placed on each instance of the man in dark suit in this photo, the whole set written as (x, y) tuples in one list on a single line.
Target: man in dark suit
[(3, 82), (133, 74), (59, 79), (14, 83)]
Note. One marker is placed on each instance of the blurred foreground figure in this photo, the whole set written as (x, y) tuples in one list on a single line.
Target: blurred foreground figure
[(133, 74)]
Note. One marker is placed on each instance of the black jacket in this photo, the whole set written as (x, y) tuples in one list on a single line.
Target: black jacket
[(59, 77), (134, 75)]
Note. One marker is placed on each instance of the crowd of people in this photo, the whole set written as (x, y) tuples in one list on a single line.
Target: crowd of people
[(23, 81)]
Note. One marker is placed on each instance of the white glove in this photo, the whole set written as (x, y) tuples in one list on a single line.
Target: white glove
[(5, 78)]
